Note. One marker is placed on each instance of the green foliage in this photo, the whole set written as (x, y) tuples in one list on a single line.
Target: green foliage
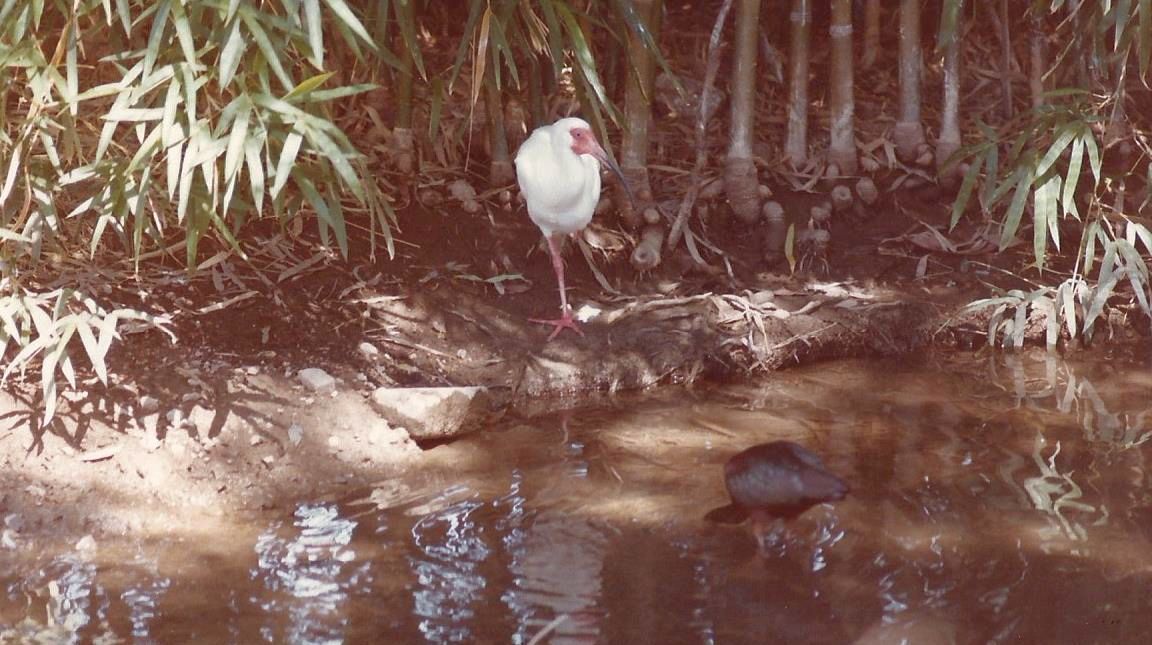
[(1049, 164), (150, 119)]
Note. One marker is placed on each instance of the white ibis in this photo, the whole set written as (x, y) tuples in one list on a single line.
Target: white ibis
[(558, 169)]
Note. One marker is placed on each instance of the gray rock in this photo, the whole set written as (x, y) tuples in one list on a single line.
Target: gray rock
[(317, 380), (432, 412), (201, 419), (369, 351), (148, 404)]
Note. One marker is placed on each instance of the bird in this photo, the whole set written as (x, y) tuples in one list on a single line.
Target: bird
[(558, 170), (774, 482)]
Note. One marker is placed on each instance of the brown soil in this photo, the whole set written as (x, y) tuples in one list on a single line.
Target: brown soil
[(218, 422), (254, 437)]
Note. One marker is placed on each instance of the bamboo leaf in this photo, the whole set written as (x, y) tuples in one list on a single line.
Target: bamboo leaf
[(307, 85), (237, 138), (231, 53), (1016, 208), (251, 20), (965, 193), (92, 348), (1066, 135), (587, 64), (1093, 154), (1044, 220), (1144, 36), (125, 15), (156, 35), (481, 59), (1068, 199), (406, 20), (184, 35), (315, 30), (287, 159), (255, 171), (474, 11), (339, 158), (323, 212), (1067, 298), (346, 17)]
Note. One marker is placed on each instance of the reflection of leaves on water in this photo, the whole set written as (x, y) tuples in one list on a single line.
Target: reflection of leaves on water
[(1053, 492), (1080, 398), (1102, 425)]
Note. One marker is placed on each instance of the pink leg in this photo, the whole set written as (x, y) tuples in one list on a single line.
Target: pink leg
[(565, 321)]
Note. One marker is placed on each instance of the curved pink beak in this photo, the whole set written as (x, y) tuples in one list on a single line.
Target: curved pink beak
[(590, 146)]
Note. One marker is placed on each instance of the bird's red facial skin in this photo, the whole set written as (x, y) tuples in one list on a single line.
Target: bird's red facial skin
[(584, 142)]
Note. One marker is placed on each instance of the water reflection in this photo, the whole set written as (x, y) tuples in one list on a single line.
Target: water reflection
[(995, 499), (305, 568)]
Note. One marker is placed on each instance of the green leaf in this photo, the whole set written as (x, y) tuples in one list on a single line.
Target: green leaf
[(237, 138), (336, 93), (1044, 219), (255, 171), (315, 30), (92, 348), (323, 212), (475, 8), (184, 35), (155, 46), (1093, 154), (1144, 36), (587, 64), (1089, 245), (287, 159), (1068, 198), (231, 53), (345, 15), (1016, 208), (1066, 135), (1067, 298), (252, 20), (307, 85), (405, 18), (338, 157), (965, 193), (125, 15)]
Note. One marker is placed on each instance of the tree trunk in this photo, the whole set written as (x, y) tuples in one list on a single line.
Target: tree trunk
[(796, 146), (1004, 31), (403, 139), (637, 105), (1036, 63), (949, 141), (909, 132), (500, 170), (842, 143), (740, 180), (871, 34)]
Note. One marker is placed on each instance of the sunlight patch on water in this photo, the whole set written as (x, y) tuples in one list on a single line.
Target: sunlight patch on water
[(994, 499)]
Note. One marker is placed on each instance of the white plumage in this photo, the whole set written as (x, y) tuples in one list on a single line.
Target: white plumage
[(558, 169), (560, 186)]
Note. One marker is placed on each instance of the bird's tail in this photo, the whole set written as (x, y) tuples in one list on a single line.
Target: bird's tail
[(730, 514)]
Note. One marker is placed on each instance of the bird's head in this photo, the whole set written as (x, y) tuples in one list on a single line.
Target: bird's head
[(580, 139), (577, 134)]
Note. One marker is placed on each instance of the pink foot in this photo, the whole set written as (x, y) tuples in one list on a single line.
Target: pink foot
[(563, 322)]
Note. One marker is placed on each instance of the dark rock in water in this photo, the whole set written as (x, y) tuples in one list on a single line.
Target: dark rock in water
[(780, 479)]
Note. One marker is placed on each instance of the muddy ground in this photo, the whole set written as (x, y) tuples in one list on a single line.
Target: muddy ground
[(218, 422)]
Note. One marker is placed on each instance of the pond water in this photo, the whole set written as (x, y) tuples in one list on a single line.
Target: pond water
[(996, 499)]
